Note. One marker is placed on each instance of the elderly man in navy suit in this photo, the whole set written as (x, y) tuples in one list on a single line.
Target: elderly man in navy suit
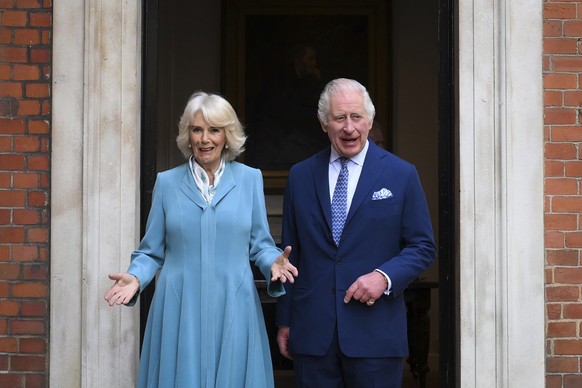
[(357, 219)]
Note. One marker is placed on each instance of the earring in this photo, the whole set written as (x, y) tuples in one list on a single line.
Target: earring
[(226, 146), (189, 145)]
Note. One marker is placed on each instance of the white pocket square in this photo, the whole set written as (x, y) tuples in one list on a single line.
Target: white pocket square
[(382, 194)]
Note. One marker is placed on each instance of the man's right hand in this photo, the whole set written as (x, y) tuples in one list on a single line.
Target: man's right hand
[(283, 341)]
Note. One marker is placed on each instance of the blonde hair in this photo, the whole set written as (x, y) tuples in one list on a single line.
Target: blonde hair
[(217, 112)]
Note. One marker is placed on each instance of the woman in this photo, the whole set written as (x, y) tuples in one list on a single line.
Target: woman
[(205, 326)]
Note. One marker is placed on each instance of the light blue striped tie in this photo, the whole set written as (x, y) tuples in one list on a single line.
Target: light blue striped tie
[(339, 202)]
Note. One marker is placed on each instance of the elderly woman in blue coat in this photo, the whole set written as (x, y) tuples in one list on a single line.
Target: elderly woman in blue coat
[(205, 326)]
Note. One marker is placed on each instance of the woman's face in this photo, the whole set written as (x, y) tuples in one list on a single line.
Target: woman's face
[(207, 143)]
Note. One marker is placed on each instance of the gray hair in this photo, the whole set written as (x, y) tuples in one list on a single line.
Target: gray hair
[(341, 85), (217, 112)]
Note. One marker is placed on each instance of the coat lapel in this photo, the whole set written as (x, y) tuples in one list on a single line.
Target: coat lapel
[(188, 187)]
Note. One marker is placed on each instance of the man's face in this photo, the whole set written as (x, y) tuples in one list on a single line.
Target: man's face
[(347, 125)]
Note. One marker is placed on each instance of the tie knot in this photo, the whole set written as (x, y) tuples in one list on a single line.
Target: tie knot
[(344, 161)]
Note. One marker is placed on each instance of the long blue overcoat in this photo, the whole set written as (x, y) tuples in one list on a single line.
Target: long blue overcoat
[(205, 326)]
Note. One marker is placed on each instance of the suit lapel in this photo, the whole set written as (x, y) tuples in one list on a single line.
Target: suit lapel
[(370, 173), (321, 181)]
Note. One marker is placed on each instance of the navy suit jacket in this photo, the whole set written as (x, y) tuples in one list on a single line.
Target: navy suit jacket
[(388, 227)]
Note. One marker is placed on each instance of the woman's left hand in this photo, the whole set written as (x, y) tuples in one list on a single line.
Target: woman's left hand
[(282, 269)]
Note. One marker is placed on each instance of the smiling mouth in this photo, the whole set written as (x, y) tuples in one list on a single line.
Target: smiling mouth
[(206, 149)]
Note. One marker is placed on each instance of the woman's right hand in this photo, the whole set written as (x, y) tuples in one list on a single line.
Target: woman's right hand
[(123, 290)]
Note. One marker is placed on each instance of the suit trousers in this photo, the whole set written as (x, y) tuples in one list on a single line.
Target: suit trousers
[(336, 370)]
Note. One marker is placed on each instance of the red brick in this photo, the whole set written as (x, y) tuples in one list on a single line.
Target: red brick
[(38, 162), (553, 98), (11, 380), (33, 309), (552, 221), (4, 253), (35, 380), (574, 240), (29, 108), (560, 46), (5, 70), (573, 98), (27, 327), (28, 4), (28, 363), (28, 180), (563, 347), (26, 144), (14, 19), (552, 28), (561, 329), (35, 272), (554, 310), (561, 151), (10, 89), (558, 186), (559, 11), (554, 239), (573, 28), (40, 19), (11, 126), (40, 235), (5, 216), (37, 199), (555, 116), (11, 162), (560, 81), (29, 290), (568, 275), (26, 217), (566, 63), (32, 345), (9, 271), (11, 235), (24, 253), (5, 144), (562, 364), (44, 184), (562, 293), (8, 345), (26, 72), (562, 257), (12, 198), (26, 37), (554, 168), (567, 133), (36, 127), (40, 55), (14, 55), (37, 90), (8, 308), (567, 204), (572, 381)]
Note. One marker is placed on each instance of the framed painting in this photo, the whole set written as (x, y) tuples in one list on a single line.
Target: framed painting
[(278, 57)]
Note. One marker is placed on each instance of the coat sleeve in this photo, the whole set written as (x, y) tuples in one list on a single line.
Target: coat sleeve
[(418, 249), (263, 251), (149, 257)]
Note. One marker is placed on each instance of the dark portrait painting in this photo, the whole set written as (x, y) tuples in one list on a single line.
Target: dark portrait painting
[(278, 58), (288, 61)]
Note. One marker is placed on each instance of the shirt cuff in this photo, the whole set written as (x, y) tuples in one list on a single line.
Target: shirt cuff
[(388, 281)]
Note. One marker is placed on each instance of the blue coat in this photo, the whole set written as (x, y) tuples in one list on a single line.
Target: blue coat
[(388, 227), (205, 326)]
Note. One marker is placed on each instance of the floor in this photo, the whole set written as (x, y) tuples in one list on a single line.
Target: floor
[(284, 379)]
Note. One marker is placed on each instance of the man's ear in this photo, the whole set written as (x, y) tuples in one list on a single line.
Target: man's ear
[(323, 126)]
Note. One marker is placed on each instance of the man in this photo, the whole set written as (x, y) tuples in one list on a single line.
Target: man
[(343, 322)]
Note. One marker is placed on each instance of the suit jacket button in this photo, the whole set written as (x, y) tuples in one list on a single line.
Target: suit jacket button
[(339, 261)]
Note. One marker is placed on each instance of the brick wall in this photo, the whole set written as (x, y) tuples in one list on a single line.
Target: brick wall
[(563, 191), (25, 76)]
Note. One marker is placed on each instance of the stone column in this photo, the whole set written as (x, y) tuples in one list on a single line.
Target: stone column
[(95, 189), (501, 254)]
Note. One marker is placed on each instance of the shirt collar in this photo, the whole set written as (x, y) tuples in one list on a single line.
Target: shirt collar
[(358, 158)]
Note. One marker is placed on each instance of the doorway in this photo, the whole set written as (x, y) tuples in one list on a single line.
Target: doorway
[(185, 48)]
